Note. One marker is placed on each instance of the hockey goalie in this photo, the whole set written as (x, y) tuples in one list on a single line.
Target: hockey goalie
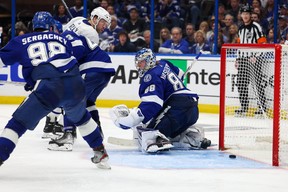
[(168, 110)]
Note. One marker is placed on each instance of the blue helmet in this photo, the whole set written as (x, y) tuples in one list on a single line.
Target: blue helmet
[(58, 26), (148, 56), (42, 20)]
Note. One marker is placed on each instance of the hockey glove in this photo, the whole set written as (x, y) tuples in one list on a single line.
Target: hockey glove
[(125, 119), (28, 87)]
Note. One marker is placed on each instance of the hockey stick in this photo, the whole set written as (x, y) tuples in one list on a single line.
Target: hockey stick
[(120, 141), (128, 142), (65, 5), (131, 142), (193, 62), (17, 83)]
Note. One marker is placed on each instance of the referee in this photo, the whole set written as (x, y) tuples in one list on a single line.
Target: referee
[(248, 64)]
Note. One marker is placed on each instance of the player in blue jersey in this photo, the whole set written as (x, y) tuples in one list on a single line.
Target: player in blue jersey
[(54, 123), (99, 20), (52, 71), (96, 69), (168, 110)]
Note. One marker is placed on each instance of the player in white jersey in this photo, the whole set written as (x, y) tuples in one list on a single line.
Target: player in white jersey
[(100, 19), (96, 75)]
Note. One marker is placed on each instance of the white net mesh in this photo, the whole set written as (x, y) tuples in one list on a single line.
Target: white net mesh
[(249, 102)]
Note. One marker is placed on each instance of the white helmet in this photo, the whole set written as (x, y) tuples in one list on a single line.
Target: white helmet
[(101, 13)]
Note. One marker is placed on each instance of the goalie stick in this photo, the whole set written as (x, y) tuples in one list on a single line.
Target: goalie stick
[(193, 62), (120, 141), (128, 142)]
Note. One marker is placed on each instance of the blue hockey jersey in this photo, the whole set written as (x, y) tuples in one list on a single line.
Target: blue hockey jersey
[(156, 87), (45, 50), (92, 58)]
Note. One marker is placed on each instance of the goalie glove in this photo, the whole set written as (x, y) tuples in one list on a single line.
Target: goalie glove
[(125, 119), (119, 111)]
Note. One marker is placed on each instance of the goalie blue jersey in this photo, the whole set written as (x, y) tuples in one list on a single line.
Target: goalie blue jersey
[(92, 58), (156, 87), (42, 50)]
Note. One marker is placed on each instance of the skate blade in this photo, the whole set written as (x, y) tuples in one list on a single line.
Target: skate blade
[(51, 136), (240, 115), (46, 136), (259, 116), (65, 147), (103, 164)]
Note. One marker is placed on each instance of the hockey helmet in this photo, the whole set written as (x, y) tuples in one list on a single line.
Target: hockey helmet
[(42, 20), (246, 8), (58, 26), (101, 13), (150, 60)]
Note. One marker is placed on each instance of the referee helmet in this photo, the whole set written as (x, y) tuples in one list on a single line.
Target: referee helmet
[(246, 8)]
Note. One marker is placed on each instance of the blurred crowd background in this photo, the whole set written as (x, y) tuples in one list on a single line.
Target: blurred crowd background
[(186, 22)]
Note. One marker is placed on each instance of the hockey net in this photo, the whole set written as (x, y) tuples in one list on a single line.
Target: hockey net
[(257, 126)]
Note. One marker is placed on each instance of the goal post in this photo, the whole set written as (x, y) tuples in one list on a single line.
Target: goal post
[(253, 115)]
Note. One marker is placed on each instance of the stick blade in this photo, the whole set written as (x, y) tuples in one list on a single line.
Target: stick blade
[(120, 141)]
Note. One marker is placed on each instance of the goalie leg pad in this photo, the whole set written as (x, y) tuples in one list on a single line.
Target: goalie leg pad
[(154, 141), (191, 138)]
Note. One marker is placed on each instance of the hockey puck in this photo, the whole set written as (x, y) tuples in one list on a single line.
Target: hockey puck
[(232, 156)]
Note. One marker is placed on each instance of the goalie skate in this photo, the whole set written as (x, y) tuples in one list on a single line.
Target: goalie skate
[(64, 143), (161, 144), (101, 158)]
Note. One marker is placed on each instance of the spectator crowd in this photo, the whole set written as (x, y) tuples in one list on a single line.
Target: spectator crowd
[(180, 26)]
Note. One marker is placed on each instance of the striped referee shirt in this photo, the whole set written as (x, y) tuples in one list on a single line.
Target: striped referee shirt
[(250, 34)]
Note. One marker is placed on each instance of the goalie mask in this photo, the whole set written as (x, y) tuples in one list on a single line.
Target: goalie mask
[(145, 59), (101, 13), (42, 20)]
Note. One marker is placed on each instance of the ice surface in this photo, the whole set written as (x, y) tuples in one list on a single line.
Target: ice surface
[(33, 168)]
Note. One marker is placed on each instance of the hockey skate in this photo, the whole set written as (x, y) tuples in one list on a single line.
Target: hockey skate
[(1, 162), (64, 143), (100, 158), (52, 130), (240, 112), (260, 112), (161, 144)]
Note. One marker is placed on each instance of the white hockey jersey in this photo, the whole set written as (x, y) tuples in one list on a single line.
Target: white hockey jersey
[(81, 26)]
